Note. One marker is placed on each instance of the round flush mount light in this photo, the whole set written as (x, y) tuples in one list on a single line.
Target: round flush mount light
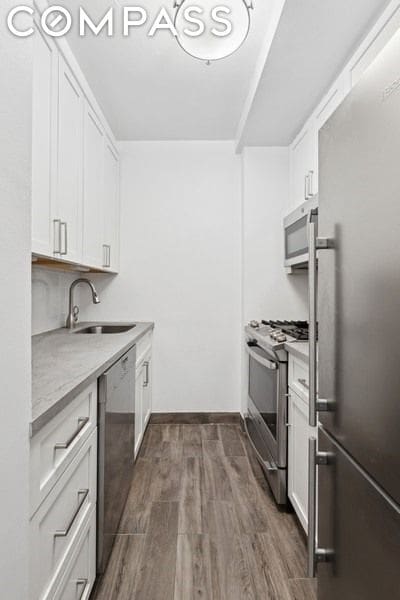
[(210, 31)]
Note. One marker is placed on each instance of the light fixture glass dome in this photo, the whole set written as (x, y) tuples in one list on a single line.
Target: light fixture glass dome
[(208, 46)]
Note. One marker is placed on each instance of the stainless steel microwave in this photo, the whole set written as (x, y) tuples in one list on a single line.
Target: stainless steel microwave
[(296, 233)]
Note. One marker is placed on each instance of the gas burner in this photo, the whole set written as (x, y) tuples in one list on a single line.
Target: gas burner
[(280, 329)]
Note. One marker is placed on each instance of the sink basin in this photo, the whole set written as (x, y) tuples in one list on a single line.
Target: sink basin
[(97, 329)]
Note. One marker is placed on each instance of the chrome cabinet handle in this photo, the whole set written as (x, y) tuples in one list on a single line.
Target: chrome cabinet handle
[(64, 532), (80, 582), (146, 382), (310, 184), (315, 554), (316, 405), (306, 187), (82, 422), (106, 256), (304, 383), (64, 226), (57, 236)]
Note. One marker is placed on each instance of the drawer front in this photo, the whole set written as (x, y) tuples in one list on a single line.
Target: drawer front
[(78, 580), (56, 445), (58, 522), (143, 346), (299, 377)]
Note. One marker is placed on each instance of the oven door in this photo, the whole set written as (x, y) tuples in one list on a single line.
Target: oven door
[(267, 401)]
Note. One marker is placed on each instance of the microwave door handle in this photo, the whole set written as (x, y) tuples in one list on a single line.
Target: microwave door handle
[(262, 361)]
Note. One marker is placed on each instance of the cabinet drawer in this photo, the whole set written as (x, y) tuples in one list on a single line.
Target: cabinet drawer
[(299, 377), (142, 347), (79, 577), (59, 520), (55, 446)]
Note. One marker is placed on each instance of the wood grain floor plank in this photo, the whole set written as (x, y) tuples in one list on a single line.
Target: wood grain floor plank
[(136, 514), (216, 480), (268, 574), (119, 580), (209, 431), (291, 546), (166, 483), (230, 574), (231, 440), (207, 522), (191, 434), (156, 575), (171, 433), (303, 589), (193, 568), (250, 505), (192, 517)]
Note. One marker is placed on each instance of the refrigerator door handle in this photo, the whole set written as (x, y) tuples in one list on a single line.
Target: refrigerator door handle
[(315, 554), (314, 245)]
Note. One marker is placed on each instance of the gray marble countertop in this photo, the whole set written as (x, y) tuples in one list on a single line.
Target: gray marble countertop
[(299, 349), (64, 363)]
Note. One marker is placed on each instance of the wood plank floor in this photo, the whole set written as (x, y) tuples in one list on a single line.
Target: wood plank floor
[(200, 523)]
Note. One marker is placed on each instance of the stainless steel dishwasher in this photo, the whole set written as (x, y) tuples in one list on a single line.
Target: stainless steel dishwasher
[(116, 431)]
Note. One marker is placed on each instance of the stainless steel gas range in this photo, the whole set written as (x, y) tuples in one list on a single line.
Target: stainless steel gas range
[(266, 421)]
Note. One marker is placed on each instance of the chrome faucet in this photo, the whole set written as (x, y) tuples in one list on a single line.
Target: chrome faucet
[(73, 311)]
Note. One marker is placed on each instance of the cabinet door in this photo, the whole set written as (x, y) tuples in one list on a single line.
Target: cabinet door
[(111, 208), (44, 143), (93, 204), (69, 171), (299, 433), (303, 163), (140, 378), (147, 391)]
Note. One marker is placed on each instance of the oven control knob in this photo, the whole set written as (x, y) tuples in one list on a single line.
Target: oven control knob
[(254, 324), (281, 337)]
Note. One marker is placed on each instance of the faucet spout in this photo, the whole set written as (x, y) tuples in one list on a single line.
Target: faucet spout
[(73, 311)]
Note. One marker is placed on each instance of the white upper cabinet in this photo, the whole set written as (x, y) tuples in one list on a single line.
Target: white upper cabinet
[(44, 143), (75, 166), (93, 189), (69, 169), (304, 149), (111, 227), (303, 165)]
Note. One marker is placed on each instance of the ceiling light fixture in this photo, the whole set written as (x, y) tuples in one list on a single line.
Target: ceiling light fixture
[(209, 31)]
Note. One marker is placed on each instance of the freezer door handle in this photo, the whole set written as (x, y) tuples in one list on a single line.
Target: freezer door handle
[(315, 244), (315, 554)]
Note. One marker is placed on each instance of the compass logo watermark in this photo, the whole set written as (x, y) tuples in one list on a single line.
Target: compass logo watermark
[(57, 21)]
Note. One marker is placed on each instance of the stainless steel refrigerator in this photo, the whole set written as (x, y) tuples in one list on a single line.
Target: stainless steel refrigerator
[(356, 288)]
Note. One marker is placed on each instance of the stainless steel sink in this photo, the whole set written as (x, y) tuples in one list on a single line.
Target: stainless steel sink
[(97, 329)]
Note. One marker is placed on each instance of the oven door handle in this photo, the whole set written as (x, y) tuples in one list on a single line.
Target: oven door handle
[(262, 361)]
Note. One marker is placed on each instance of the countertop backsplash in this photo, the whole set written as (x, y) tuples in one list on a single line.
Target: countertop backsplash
[(49, 298)]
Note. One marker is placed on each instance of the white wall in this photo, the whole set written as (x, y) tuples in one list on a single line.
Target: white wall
[(50, 294), (267, 291), (15, 274), (180, 266)]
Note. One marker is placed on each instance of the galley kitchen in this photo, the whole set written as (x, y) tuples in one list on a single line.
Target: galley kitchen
[(199, 300)]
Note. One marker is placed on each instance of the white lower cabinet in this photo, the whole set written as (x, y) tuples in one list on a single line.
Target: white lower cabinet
[(298, 456), (79, 577), (63, 502), (143, 393), (299, 432)]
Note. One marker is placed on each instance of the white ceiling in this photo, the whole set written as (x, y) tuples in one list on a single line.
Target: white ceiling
[(150, 89), (313, 42)]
